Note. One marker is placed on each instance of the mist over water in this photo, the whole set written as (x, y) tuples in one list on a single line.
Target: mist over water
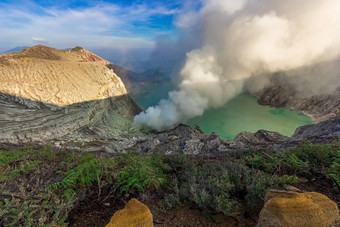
[(243, 40)]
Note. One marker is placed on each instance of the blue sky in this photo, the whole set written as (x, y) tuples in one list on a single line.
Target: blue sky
[(91, 24)]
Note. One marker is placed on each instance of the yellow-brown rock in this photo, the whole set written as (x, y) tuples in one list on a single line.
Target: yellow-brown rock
[(292, 209), (134, 214)]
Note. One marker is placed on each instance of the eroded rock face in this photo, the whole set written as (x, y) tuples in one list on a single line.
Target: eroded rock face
[(134, 214), (68, 98), (284, 209)]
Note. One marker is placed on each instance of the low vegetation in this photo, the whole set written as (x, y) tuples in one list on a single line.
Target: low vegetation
[(40, 187)]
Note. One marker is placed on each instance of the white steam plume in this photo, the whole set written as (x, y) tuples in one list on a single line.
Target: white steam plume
[(243, 39)]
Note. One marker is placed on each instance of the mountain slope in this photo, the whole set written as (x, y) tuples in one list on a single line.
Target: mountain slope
[(69, 98)]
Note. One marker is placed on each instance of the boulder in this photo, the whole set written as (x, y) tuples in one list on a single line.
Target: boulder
[(134, 214), (290, 209), (213, 142), (193, 147)]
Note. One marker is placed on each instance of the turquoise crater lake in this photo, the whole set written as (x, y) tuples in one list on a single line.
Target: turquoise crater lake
[(242, 113)]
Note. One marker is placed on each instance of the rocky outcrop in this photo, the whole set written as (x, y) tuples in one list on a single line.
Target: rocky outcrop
[(134, 214), (312, 209), (181, 139), (261, 138), (192, 141), (68, 98), (323, 132)]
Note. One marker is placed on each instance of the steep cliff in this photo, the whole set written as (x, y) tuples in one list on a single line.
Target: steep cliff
[(66, 97), (318, 107)]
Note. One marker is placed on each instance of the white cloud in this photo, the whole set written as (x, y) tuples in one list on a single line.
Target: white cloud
[(39, 39)]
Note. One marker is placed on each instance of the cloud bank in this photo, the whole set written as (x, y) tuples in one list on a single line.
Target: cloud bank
[(242, 40)]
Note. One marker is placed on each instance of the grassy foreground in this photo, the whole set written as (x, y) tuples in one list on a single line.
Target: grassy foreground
[(41, 187)]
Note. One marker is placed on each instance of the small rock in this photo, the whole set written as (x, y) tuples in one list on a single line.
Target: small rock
[(169, 152), (292, 189), (134, 214), (213, 141), (192, 147), (310, 209)]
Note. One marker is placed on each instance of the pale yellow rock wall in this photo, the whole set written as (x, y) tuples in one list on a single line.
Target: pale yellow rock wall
[(61, 82)]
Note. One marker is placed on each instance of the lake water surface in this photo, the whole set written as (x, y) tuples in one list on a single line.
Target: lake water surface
[(242, 113)]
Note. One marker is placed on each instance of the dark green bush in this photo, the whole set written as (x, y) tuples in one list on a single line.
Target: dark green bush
[(213, 187), (318, 156), (99, 171), (207, 185)]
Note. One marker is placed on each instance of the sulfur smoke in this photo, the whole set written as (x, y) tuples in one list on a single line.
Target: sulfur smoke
[(242, 40)]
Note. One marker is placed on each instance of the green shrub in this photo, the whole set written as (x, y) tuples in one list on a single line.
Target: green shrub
[(294, 163), (142, 172), (263, 161), (317, 155), (90, 171)]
